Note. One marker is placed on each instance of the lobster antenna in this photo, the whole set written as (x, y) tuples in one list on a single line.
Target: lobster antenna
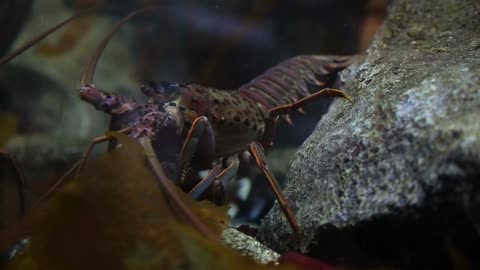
[(7, 58), (164, 182), (87, 76)]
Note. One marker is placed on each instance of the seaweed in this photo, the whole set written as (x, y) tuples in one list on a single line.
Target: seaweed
[(8, 127), (114, 216)]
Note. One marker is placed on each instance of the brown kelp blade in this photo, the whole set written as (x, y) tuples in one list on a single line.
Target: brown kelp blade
[(7, 58), (115, 217)]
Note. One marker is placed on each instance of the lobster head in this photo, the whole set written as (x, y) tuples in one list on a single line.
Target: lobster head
[(148, 119), (160, 121), (104, 101)]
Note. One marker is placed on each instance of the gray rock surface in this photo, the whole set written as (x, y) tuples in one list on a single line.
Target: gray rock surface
[(411, 138), (248, 246)]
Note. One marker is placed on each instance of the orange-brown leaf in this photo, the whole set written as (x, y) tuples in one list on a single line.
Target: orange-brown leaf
[(8, 127), (114, 216)]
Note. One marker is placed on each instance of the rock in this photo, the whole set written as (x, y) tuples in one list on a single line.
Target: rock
[(248, 246), (407, 149), (51, 123), (41, 104), (40, 158)]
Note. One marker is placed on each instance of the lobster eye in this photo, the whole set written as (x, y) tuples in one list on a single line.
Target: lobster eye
[(153, 85), (164, 87), (109, 102)]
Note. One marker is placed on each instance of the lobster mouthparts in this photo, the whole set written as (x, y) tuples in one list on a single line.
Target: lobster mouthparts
[(104, 101)]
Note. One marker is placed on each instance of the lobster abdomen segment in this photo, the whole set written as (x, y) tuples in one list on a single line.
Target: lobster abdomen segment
[(294, 79)]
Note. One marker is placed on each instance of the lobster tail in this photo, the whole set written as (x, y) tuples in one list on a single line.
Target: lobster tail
[(294, 79)]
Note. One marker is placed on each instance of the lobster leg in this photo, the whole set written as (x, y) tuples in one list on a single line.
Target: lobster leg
[(167, 185), (327, 92), (199, 144), (216, 178), (270, 129), (200, 140), (257, 152), (200, 135), (228, 173), (94, 142), (199, 188), (78, 166), (19, 178)]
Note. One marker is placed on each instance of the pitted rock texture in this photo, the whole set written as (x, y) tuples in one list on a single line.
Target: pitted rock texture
[(411, 138), (248, 246)]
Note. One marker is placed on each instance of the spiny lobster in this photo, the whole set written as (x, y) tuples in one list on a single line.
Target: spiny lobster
[(189, 127)]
